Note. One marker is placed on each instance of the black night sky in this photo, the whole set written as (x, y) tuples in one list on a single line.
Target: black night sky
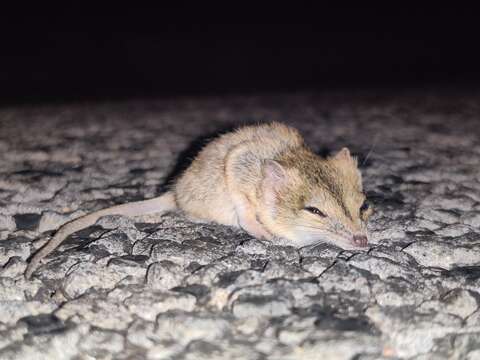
[(174, 56)]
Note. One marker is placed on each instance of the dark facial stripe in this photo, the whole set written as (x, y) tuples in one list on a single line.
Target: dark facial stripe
[(328, 182), (337, 195)]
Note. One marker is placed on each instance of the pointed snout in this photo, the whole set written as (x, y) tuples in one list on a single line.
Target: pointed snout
[(360, 240)]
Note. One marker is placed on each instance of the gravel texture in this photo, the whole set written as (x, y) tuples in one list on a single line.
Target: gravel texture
[(167, 288)]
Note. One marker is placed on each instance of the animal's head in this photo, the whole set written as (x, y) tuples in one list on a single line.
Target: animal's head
[(310, 199)]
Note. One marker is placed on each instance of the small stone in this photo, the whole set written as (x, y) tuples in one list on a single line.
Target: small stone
[(116, 243), (248, 325), (113, 222), (141, 333), (10, 291), (390, 299), (219, 298), (411, 333), (448, 202), (106, 313), (275, 269), (443, 255), (101, 343), (184, 328), (324, 251), (252, 247), (384, 268), (436, 215), (14, 267), (163, 350), (85, 275), (472, 219), (13, 310), (14, 246), (164, 275), (128, 266), (182, 255), (7, 223), (473, 355), (248, 278), (148, 304), (453, 230), (52, 221), (420, 223), (461, 302), (260, 306), (285, 254), (292, 336), (315, 265)]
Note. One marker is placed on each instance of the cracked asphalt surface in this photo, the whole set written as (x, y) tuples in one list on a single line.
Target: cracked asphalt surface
[(161, 288)]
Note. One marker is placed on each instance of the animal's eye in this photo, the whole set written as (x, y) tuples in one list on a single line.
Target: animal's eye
[(365, 206), (315, 211)]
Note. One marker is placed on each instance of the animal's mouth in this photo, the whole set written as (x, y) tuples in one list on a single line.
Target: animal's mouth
[(345, 242), (349, 242)]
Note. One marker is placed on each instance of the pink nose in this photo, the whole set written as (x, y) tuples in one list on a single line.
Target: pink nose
[(360, 240)]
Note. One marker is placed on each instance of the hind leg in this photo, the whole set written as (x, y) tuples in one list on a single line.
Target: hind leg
[(217, 210)]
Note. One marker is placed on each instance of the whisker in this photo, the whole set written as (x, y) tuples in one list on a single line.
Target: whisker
[(340, 235), (313, 244), (371, 150), (337, 233), (318, 228), (310, 227)]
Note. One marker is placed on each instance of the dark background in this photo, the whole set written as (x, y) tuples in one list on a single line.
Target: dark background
[(177, 56)]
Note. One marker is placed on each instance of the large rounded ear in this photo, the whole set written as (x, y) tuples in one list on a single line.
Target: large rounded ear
[(274, 179), (348, 166), (343, 157), (274, 174)]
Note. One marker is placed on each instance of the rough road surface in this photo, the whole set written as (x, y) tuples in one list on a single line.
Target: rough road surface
[(167, 288)]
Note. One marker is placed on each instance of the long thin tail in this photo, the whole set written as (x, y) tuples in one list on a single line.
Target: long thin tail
[(161, 204)]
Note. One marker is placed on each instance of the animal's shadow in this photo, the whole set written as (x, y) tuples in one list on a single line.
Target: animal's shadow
[(185, 158)]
